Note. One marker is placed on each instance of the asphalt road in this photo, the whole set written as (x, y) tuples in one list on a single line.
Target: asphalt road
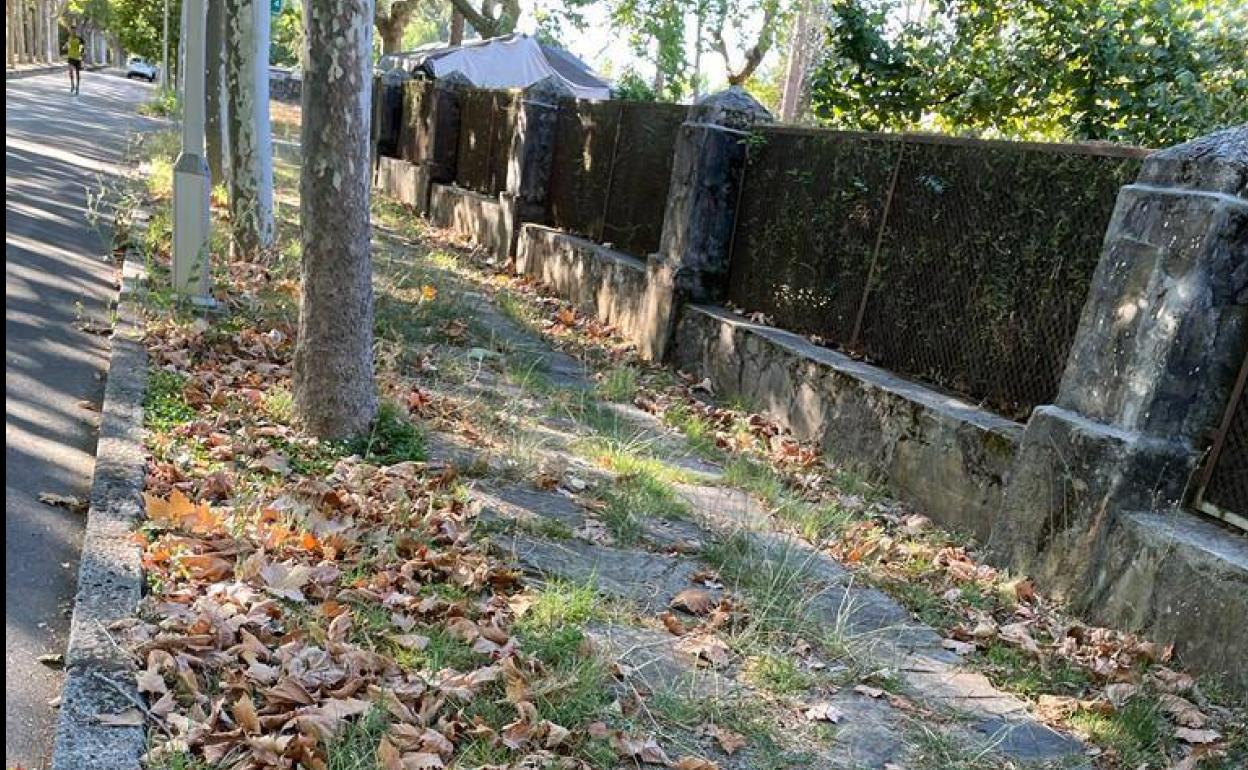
[(60, 151)]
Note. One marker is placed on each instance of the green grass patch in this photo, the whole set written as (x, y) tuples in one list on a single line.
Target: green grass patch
[(1137, 732), (698, 431), (279, 405), (164, 405), (778, 674), (618, 384), (393, 438), (813, 521), (356, 747), (636, 496), (1015, 671)]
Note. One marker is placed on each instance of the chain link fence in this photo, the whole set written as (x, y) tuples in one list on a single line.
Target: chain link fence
[(961, 263), (612, 167), (487, 121)]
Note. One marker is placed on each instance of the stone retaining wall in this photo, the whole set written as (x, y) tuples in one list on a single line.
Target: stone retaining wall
[(405, 182), (941, 454), (597, 279), (479, 218)]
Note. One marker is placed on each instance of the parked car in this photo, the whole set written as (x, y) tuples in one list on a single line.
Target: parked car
[(138, 67)]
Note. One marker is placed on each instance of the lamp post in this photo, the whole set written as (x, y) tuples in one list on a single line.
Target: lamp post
[(191, 182)]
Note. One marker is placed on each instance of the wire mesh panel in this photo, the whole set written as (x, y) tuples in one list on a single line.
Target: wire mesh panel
[(810, 208), (612, 167), (1225, 489), (641, 172), (961, 263), (987, 254), (584, 139), (486, 123)]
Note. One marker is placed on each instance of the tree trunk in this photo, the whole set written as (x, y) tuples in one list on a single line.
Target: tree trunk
[(247, 110), (335, 395), (214, 91), (391, 30), (795, 72), (457, 27)]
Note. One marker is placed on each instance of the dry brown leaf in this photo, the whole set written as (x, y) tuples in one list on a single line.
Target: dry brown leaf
[(695, 763), (150, 681), (463, 629), (1018, 634), (870, 692), (422, 760), (69, 502), (1119, 693), (729, 741), (961, 648), (672, 623), (706, 648), (127, 718), (1181, 710), (388, 757), (825, 712), (286, 579), (693, 600), (644, 749), (410, 641), (244, 711), (1188, 735)]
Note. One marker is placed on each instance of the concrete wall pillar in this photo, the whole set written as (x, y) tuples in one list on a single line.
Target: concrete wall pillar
[(692, 262), (1163, 333), (531, 156)]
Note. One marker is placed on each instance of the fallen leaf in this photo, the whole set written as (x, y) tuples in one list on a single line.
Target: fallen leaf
[(69, 502), (388, 757), (825, 712), (422, 760), (645, 749), (870, 692), (1019, 634), (127, 718), (729, 741), (410, 641), (1181, 710), (695, 763), (286, 580), (1188, 735), (706, 648), (961, 648), (244, 711), (1119, 693), (52, 659), (693, 600), (150, 681)]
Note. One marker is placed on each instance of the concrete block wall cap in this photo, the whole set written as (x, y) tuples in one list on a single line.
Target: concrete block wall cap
[(1216, 162), (395, 76), (549, 89), (733, 107)]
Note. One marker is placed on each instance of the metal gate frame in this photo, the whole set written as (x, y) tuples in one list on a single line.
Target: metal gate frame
[(1239, 520)]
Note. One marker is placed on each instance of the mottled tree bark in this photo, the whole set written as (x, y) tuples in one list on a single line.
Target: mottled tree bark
[(214, 92), (247, 113), (335, 395)]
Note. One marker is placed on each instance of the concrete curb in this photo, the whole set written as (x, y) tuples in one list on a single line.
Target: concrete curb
[(48, 70), (99, 673), (33, 71)]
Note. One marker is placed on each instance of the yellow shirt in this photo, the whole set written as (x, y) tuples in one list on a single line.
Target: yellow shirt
[(74, 48)]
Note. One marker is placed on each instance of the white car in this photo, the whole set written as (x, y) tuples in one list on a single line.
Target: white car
[(138, 67)]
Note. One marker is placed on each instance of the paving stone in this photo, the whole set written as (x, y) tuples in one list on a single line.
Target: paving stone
[(653, 664), (649, 579), (522, 503)]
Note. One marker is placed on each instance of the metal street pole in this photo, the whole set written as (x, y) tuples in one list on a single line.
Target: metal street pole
[(191, 181), (164, 62)]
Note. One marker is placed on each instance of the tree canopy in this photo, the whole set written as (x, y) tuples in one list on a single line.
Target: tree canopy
[(1148, 72)]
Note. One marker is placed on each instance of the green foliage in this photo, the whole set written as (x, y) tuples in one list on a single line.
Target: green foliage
[(286, 41), (164, 405), (1147, 72), (633, 87), (140, 24), (392, 439), (164, 104)]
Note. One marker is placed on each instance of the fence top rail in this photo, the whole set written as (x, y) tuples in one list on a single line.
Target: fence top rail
[(1102, 149)]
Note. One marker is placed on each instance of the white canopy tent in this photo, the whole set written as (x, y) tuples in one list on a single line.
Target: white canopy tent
[(514, 61)]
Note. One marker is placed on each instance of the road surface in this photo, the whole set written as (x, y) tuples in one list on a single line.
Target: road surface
[(59, 150)]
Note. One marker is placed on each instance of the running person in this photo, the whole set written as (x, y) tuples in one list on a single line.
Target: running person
[(73, 51)]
